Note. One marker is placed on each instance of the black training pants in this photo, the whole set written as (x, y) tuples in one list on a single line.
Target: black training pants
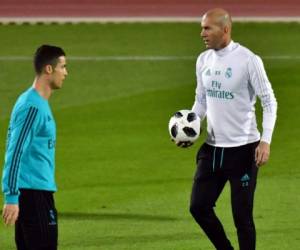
[(216, 166), (36, 227)]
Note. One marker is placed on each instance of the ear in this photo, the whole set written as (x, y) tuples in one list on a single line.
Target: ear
[(48, 69), (226, 29)]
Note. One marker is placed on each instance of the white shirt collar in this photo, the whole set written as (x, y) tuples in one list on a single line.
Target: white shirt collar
[(230, 47)]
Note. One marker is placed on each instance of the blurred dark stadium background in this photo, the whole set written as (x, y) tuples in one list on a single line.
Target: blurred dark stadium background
[(146, 8)]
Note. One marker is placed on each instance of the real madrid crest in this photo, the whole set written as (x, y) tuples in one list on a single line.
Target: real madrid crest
[(228, 73)]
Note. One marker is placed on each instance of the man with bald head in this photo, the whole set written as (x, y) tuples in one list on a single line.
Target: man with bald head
[(229, 78)]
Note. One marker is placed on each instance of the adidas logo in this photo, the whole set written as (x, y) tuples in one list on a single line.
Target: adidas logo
[(52, 218), (245, 178), (208, 72)]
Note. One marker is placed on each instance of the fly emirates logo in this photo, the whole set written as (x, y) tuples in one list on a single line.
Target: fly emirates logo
[(214, 88)]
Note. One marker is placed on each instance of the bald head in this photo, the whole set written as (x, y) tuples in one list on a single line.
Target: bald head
[(216, 28), (219, 16)]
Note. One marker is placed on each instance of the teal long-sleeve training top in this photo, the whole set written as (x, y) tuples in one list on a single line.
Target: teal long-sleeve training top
[(30, 147)]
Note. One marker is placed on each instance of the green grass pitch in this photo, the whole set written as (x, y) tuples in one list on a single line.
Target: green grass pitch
[(122, 184)]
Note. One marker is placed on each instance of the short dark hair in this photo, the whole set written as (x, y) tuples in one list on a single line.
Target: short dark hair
[(46, 54)]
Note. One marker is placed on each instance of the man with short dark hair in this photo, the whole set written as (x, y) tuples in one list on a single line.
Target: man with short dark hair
[(229, 79), (28, 180)]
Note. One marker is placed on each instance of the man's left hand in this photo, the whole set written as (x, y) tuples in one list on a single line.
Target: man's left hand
[(262, 153)]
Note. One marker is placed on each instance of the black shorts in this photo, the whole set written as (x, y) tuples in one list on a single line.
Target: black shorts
[(36, 227)]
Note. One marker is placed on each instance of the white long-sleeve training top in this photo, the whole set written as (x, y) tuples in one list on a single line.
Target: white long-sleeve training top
[(228, 82)]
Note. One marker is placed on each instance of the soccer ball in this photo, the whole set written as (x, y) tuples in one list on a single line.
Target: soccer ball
[(184, 126)]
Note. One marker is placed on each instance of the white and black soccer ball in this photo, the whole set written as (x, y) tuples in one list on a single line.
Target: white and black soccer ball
[(184, 126)]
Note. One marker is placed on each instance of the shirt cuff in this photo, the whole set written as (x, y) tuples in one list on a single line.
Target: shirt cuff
[(267, 135), (11, 199)]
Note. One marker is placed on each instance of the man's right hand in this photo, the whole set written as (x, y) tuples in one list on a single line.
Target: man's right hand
[(10, 213), (184, 144)]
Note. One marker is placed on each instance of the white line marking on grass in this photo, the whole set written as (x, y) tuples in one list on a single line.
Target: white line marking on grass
[(131, 58), (15, 58), (282, 57), (139, 58)]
